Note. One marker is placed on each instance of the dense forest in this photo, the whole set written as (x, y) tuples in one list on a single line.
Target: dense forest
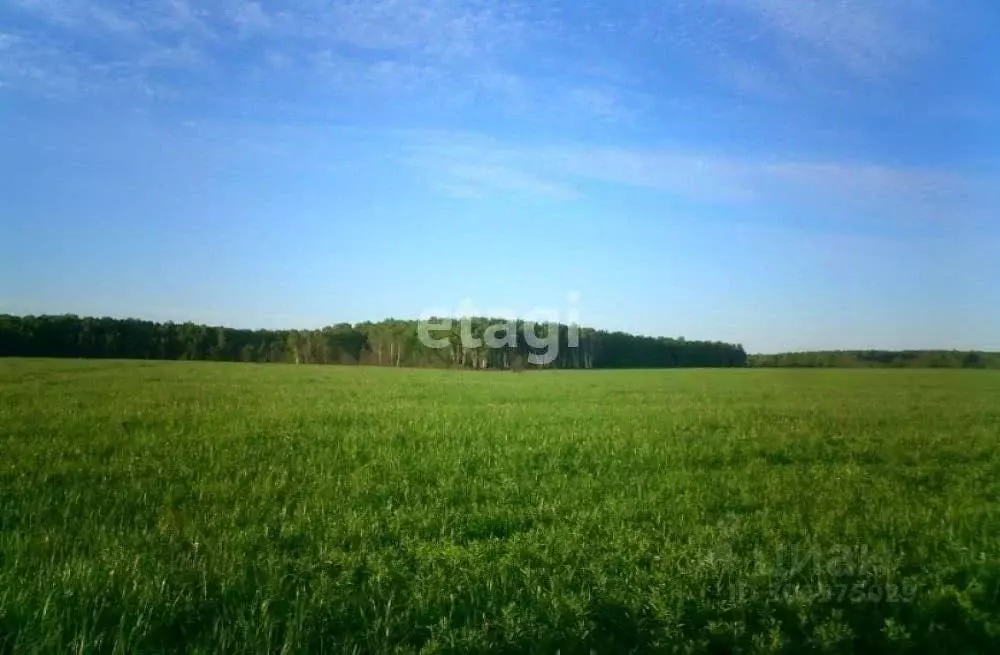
[(387, 343), (398, 343), (879, 359)]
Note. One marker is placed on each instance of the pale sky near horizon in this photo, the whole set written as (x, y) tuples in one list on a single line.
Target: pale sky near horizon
[(785, 174)]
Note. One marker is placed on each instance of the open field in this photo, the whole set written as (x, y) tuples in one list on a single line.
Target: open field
[(236, 507)]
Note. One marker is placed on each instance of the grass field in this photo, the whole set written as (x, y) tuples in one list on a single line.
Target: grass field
[(172, 506)]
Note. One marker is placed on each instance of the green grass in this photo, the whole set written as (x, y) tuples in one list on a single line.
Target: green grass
[(203, 507)]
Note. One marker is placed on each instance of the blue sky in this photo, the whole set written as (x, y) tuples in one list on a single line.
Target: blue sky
[(787, 174)]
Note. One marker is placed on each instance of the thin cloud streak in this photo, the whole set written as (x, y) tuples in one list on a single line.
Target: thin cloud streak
[(708, 177), (388, 46), (867, 38), (460, 51)]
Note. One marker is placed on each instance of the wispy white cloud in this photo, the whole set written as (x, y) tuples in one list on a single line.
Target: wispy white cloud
[(100, 19), (44, 67), (457, 51), (483, 180), (468, 166), (603, 102), (443, 28), (691, 175), (181, 55), (379, 77), (865, 37), (515, 58), (52, 68), (851, 188), (785, 49), (872, 181), (94, 18), (91, 48), (250, 18), (343, 48)]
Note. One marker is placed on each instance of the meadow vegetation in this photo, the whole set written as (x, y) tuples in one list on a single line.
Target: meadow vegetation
[(224, 507)]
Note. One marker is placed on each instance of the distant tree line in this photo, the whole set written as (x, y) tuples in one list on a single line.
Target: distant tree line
[(397, 343), (386, 343), (879, 359)]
